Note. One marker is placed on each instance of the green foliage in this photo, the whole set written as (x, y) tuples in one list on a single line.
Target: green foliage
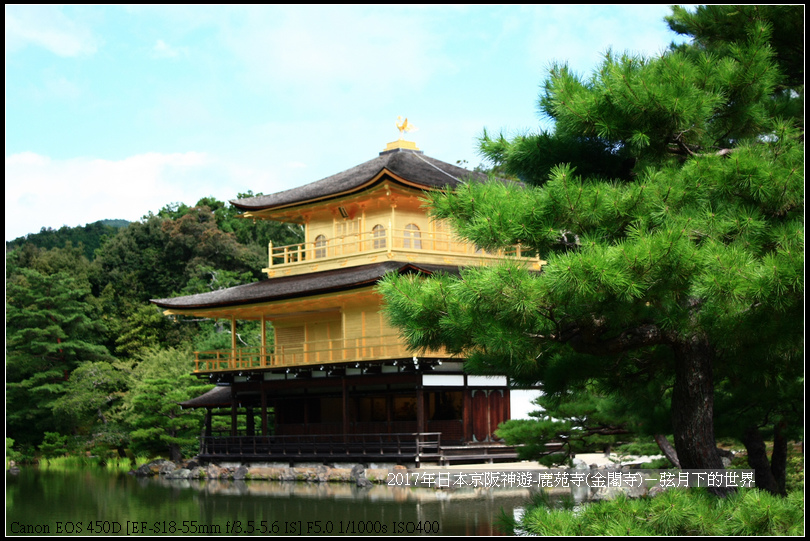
[(145, 328), (675, 512), (160, 382), (88, 238), (92, 394), (581, 421), (216, 335), (54, 445), (715, 29), (205, 278), (158, 256), (638, 448), (51, 327), (668, 203), (795, 470), (12, 453), (76, 294), (91, 463)]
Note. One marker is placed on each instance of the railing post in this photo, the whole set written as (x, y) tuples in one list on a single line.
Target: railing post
[(263, 350), (270, 253)]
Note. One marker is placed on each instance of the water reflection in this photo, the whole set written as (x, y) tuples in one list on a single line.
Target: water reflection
[(158, 506)]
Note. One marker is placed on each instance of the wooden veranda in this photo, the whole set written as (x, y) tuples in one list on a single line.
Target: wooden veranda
[(401, 448)]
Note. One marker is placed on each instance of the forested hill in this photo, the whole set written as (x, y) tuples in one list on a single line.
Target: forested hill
[(90, 236), (83, 343)]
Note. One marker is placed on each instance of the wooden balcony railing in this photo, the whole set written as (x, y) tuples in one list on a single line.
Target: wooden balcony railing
[(309, 353), (395, 446), (389, 240)]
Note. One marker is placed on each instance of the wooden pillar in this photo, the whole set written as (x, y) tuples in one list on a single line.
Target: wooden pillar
[(420, 409), (233, 341), (391, 224), (466, 415), (345, 397), (208, 427), (263, 353), (390, 234), (264, 412)]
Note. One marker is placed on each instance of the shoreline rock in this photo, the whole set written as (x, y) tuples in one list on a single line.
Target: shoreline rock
[(316, 473)]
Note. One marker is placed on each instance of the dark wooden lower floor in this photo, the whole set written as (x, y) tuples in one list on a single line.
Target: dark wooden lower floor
[(401, 448), (365, 413)]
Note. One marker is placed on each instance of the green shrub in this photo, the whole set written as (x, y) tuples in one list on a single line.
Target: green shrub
[(54, 445)]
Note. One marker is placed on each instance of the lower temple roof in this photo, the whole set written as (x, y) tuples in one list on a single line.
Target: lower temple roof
[(303, 285)]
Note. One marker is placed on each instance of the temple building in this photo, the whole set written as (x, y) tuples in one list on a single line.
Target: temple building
[(332, 380)]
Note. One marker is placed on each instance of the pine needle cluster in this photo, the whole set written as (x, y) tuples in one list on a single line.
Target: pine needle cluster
[(676, 512)]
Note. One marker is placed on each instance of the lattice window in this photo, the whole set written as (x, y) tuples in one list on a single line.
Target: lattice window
[(320, 246), (378, 234), (412, 237)]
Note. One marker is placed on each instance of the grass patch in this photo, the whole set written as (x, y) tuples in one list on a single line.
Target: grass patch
[(79, 462)]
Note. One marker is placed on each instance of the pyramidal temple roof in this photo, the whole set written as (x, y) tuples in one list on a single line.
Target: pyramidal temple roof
[(409, 167)]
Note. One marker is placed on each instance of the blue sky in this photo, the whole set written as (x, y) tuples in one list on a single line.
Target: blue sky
[(113, 112)]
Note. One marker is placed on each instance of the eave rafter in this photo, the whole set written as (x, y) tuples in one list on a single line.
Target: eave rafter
[(330, 302)]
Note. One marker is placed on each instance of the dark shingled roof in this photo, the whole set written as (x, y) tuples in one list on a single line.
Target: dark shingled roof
[(410, 165), (215, 398), (302, 285)]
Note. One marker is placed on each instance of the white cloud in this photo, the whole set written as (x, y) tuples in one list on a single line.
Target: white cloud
[(44, 192), (164, 50), (47, 27), (342, 49)]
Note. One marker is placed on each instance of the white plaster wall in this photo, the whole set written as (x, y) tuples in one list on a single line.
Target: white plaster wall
[(520, 402)]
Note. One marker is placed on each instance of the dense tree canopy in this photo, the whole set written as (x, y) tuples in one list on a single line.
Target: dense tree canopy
[(79, 324), (668, 203), (90, 236)]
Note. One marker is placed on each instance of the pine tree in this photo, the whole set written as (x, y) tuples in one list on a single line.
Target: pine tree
[(161, 380), (50, 328), (668, 203)]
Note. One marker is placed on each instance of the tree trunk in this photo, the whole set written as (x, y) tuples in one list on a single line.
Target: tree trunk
[(667, 449), (693, 407), (758, 460), (174, 453)]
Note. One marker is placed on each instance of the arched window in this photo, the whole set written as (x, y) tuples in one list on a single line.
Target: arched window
[(412, 237), (378, 233), (320, 246)]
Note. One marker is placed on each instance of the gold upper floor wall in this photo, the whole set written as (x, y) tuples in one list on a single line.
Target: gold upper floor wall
[(385, 223)]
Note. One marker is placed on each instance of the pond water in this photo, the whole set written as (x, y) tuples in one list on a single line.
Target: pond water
[(98, 503)]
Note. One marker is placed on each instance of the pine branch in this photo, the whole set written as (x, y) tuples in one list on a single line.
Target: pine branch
[(588, 341)]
